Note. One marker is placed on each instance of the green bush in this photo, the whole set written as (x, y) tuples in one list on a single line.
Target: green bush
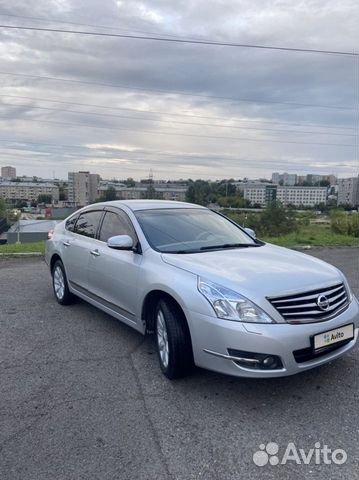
[(303, 218), (274, 221), (344, 223), (235, 201), (339, 222), (2, 207), (353, 225)]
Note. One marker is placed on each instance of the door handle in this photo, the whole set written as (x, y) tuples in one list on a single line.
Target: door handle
[(95, 253), (66, 243)]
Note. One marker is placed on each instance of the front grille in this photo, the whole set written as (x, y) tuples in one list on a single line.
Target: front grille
[(304, 308)]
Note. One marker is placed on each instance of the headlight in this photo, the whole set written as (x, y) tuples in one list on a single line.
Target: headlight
[(231, 305), (348, 289)]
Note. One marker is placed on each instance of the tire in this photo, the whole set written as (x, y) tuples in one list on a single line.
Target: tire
[(173, 340), (60, 285)]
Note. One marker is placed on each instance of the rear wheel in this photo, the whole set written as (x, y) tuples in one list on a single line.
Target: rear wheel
[(60, 285), (173, 340)]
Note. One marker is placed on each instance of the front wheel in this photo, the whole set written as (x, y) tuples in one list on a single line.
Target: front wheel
[(59, 283), (173, 341)]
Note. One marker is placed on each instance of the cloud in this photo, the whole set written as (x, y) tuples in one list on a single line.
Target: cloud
[(225, 92)]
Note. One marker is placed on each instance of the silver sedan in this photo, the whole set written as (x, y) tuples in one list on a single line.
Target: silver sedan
[(213, 294)]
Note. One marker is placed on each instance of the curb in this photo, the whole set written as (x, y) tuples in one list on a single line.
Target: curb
[(19, 254), (320, 247)]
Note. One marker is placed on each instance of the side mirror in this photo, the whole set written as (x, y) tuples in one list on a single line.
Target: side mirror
[(120, 242), (251, 232)]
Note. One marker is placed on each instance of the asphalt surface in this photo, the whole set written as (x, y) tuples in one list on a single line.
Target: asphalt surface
[(82, 397)]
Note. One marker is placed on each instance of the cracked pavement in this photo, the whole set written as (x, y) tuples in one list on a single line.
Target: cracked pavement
[(82, 397)]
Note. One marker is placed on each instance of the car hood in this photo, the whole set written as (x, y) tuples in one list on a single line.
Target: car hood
[(267, 270)]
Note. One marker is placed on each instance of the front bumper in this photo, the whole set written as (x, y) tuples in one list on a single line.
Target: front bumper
[(212, 337)]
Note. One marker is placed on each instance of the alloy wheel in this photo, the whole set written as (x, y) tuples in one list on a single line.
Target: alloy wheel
[(59, 283), (162, 338)]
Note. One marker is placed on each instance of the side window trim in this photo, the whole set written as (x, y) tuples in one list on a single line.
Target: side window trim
[(119, 212), (99, 225)]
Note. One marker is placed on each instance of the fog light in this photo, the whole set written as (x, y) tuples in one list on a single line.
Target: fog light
[(269, 362), (255, 360)]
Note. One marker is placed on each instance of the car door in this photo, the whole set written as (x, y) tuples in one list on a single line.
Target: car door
[(113, 274), (66, 241), (77, 247)]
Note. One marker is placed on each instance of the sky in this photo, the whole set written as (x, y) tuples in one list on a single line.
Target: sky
[(123, 107)]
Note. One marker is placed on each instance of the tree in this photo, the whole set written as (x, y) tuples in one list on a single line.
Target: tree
[(354, 225), (203, 192), (236, 201), (323, 183), (110, 194), (2, 207), (276, 220), (20, 204), (62, 193), (44, 198), (346, 206), (344, 223), (129, 182), (245, 219), (150, 192), (200, 192), (339, 222), (225, 189)]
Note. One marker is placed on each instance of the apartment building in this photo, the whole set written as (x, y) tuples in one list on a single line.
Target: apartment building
[(306, 196), (8, 172), (315, 179), (160, 191), (284, 178), (312, 179), (82, 188), (261, 194), (254, 192), (348, 191), (28, 191), (104, 185), (292, 179)]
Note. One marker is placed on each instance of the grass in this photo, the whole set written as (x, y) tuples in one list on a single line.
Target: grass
[(38, 247), (315, 236)]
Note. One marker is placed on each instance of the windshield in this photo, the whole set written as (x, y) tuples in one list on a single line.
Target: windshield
[(189, 230)]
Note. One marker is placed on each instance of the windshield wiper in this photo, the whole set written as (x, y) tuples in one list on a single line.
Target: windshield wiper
[(182, 251), (230, 245), (214, 247)]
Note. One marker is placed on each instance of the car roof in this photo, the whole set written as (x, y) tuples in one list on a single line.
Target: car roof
[(136, 205)]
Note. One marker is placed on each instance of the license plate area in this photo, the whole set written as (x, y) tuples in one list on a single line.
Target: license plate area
[(332, 337)]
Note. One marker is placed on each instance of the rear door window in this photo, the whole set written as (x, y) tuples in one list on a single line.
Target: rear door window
[(87, 223), (70, 224)]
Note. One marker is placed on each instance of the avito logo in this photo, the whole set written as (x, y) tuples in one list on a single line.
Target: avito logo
[(269, 454)]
